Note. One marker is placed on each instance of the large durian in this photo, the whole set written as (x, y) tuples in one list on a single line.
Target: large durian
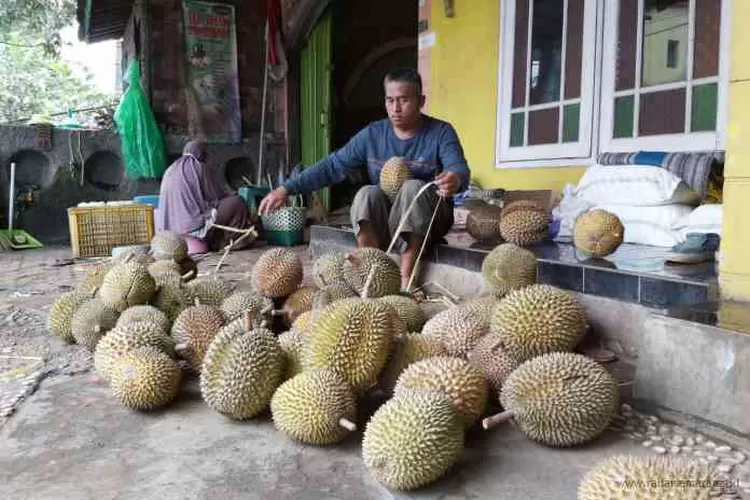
[(241, 370), (331, 293), (483, 222), (462, 382), (239, 303), (126, 285), (315, 407), (145, 378), (328, 269), (277, 273), (405, 351), (356, 268), (91, 321), (172, 299), (165, 272), (412, 440), (168, 245), (508, 267), (394, 173), (408, 310), (301, 300), (210, 291), (194, 329), (125, 338), (560, 399), (539, 319), (148, 314), (291, 343), (598, 233), (524, 223), (458, 329), (495, 364), (60, 317), (94, 277)]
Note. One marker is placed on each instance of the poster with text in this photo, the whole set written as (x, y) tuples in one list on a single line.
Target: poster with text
[(211, 71)]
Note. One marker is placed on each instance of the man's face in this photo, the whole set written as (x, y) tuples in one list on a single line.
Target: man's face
[(402, 103)]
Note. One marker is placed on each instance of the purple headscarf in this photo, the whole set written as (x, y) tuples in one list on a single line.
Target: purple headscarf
[(188, 191)]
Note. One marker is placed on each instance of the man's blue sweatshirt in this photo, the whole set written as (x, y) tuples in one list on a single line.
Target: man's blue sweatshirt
[(434, 149)]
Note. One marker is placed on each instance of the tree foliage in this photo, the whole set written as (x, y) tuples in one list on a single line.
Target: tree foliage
[(38, 22)]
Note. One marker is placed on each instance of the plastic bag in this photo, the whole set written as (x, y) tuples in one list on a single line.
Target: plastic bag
[(142, 144), (566, 213)]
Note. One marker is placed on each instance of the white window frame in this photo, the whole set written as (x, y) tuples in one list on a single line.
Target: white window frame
[(597, 94)]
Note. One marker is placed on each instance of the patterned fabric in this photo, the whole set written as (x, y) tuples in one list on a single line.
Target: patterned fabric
[(616, 158), (693, 168)]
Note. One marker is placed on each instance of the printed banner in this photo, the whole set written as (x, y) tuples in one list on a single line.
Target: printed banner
[(211, 71)]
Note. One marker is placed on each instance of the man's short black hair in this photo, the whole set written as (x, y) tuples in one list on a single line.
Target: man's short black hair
[(405, 75)]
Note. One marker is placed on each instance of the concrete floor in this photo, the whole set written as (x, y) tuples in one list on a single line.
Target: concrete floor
[(68, 438)]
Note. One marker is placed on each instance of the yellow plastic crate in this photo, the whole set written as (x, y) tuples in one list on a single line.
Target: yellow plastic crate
[(96, 230)]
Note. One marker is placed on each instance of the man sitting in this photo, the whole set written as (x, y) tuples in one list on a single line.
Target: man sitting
[(430, 148)]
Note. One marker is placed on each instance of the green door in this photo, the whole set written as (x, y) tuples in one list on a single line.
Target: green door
[(315, 87)]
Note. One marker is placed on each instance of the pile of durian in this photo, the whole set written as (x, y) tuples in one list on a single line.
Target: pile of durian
[(311, 355)]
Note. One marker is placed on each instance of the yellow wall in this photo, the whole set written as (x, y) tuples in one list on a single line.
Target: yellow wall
[(463, 81)]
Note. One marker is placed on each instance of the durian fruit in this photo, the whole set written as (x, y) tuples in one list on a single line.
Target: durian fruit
[(194, 329), (94, 277), (331, 293), (652, 478), (328, 269), (539, 319), (239, 303), (210, 291), (277, 273), (241, 370), (145, 314), (301, 300), (165, 272), (352, 337), (483, 222), (358, 264), (458, 329), (408, 310), (482, 306), (405, 351), (168, 245), (315, 407), (495, 364), (394, 173), (172, 299), (291, 343), (131, 256), (524, 223), (145, 378), (598, 233), (303, 323), (508, 267), (412, 440), (126, 285), (462, 382), (127, 337), (60, 317), (91, 321), (561, 399)]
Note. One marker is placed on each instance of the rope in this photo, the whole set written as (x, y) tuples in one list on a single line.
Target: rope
[(424, 244), (406, 214)]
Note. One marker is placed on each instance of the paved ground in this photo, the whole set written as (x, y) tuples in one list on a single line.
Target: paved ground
[(64, 436)]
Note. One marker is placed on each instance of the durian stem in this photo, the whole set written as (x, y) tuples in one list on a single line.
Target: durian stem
[(181, 347), (98, 329), (278, 312), (188, 275), (197, 301), (495, 420), (265, 311), (248, 320), (347, 424), (322, 279), (368, 281)]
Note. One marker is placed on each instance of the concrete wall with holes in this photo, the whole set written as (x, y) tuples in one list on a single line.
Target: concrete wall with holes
[(87, 166)]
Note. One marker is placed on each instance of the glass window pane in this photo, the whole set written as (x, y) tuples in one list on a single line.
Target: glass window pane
[(627, 37), (571, 122), (665, 41), (662, 113), (703, 110), (516, 130), (624, 107), (519, 53), (707, 32), (546, 51), (574, 49), (543, 125)]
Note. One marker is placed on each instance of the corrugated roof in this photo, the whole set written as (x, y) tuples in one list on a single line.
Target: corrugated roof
[(100, 20)]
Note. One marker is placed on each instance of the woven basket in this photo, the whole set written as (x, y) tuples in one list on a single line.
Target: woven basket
[(286, 218)]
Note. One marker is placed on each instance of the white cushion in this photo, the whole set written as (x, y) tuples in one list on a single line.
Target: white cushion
[(655, 226), (704, 219)]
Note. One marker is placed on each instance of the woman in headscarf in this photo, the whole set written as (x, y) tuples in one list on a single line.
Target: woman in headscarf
[(190, 201)]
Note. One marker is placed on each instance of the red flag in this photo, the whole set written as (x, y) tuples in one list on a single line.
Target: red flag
[(276, 56)]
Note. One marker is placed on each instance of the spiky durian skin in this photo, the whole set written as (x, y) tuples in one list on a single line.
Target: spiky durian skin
[(145, 314), (236, 304), (145, 378), (241, 370), (405, 351), (537, 320), (291, 342), (309, 406), (168, 245), (483, 222), (412, 440), (301, 300), (277, 273), (408, 310), (127, 337), (525, 227), (328, 269), (352, 337), (94, 277), (598, 233), (330, 294), (509, 267), (651, 478), (210, 291), (561, 399), (91, 321), (172, 299), (196, 327), (303, 323), (458, 329), (456, 378), (387, 279), (492, 360), (394, 173), (126, 285), (60, 316), (165, 271)]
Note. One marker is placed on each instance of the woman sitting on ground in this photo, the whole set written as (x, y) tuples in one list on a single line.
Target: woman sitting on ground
[(190, 202)]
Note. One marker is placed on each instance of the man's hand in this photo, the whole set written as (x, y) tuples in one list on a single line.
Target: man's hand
[(447, 184), (273, 200)]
